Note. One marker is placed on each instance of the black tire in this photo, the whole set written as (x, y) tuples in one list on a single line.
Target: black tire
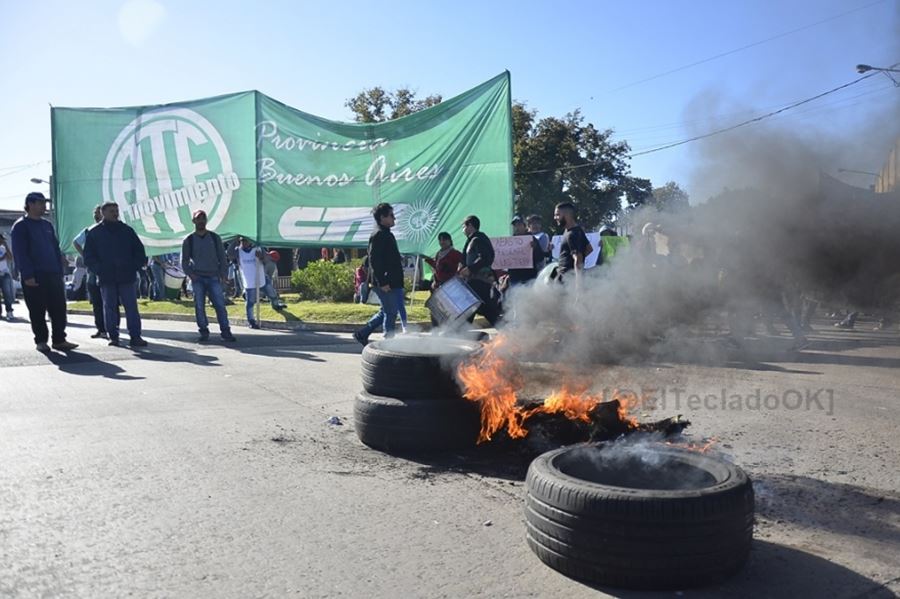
[(420, 368), (395, 425), (639, 538)]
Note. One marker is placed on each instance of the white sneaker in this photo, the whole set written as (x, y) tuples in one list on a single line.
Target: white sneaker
[(9, 316)]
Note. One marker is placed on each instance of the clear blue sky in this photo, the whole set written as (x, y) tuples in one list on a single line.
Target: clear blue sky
[(562, 55)]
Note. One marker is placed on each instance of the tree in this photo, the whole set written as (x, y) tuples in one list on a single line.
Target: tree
[(376, 105), (670, 198), (568, 160)]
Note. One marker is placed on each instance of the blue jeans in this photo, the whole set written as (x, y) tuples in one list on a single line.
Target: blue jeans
[(269, 290), (250, 294), (159, 281), (120, 293), (391, 301), (212, 287), (8, 290)]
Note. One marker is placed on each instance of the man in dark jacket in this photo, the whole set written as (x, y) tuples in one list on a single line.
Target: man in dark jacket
[(478, 259), (115, 254), (386, 277), (575, 246), (36, 251)]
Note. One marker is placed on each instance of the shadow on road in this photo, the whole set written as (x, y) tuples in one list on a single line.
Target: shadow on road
[(280, 344), (87, 365), (821, 505), (781, 572)]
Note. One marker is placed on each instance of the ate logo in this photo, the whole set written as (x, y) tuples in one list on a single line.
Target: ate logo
[(164, 165)]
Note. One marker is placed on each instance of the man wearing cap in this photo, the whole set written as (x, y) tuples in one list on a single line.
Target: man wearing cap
[(519, 276), (115, 254), (203, 260), (41, 267), (535, 226)]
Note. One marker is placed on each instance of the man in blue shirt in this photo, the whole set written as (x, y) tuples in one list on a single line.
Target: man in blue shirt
[(40, 264)]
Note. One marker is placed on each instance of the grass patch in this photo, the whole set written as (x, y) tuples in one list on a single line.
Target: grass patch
[(296, 311)]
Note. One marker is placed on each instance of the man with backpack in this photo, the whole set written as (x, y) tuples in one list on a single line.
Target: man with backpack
[(203, 260)]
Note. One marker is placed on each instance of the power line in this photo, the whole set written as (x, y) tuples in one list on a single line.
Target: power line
[(838, 104), (20, 166), (651, 129), (752, 45), (712, 133), (753, 120)]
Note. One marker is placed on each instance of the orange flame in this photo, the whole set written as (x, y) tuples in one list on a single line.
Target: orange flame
[(494, 382)]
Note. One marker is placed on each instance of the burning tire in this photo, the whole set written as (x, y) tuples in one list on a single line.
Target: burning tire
[(399, 425), (419, 368), (654, 517)]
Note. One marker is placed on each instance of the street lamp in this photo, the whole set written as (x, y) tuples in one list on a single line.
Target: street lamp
[(37, 181), (865, 68)]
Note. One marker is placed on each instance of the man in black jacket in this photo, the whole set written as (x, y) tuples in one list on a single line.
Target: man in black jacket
[(115, 254), (386, 276), (476, 268)]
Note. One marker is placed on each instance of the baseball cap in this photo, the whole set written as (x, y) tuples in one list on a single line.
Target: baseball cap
[(517, 219), (198, 213), (36, 196)]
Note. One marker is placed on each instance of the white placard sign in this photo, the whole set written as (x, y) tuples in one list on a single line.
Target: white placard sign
[(513, 252)]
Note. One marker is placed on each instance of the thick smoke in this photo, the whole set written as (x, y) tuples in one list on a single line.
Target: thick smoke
[(776, 234)]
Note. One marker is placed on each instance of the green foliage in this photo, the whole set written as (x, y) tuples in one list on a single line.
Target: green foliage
[(323, 281), (578, 163), (670, 198), (376, 105)]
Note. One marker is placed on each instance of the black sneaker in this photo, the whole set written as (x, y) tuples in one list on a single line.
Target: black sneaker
[(227, 336), (204, 337), (254, 324), (100, 335), (137, 342), (362, 339), (114, 341)]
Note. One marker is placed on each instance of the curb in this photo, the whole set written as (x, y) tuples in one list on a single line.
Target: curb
[(324, 327)]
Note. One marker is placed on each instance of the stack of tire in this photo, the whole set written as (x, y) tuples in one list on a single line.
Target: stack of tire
[(688, 523), (410, 400)]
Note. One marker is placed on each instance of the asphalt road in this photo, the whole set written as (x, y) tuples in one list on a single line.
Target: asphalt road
[(211, 471)]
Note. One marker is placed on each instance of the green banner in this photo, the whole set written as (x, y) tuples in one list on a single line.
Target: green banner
[(284, 177)]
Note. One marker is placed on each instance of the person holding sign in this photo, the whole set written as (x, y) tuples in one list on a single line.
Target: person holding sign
[(519, 276), (575, 245)]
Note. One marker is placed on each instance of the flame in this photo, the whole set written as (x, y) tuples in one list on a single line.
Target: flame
[(628, 403), (494, 382)]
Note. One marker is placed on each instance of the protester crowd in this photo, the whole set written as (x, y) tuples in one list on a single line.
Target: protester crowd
[(118, 272)]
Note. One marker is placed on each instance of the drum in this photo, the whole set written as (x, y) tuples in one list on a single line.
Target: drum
[(452, 302), (174, 278)]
